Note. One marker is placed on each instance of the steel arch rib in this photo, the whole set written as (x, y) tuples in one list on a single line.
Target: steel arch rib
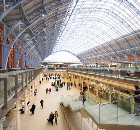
[(7, 36), (8, 51), (21, 52), (11, 8), (68, 52)]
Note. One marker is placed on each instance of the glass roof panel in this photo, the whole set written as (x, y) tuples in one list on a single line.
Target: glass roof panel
[(62, 57), (96, 22)]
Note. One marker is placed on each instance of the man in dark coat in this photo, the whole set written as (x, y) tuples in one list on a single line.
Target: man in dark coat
[(51, 117), (41, 103), (33, 108), (137, 99)]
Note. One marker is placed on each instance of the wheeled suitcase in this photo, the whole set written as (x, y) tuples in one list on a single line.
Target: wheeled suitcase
[(56, 89)]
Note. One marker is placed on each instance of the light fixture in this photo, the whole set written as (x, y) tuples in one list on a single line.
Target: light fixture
[(43, 15)]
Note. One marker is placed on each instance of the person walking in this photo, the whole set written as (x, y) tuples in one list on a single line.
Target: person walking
[(55, 116), (49, 90), (68, 85), (137, 99), (41, 103), (33, 109), (51, 117), (40, 81), (46, 90), (84, 98)]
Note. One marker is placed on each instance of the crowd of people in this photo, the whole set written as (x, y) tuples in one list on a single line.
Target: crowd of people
[(53, 116)]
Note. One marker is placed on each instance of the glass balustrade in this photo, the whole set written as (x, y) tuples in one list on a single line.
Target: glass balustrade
[(19, 81), (75, 97), (62, 99), (69, 101), (8, 79), (120, 111), (32, 74), (108, 114), (28, 77), (123, 73), (24, 79), (1, 92), (11, 85)]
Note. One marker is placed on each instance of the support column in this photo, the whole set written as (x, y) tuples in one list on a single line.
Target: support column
[(1, 123), (17, 116), (30, 94), (132, 105), (73, 80), (97, 92), (55, 81), (59, 82), (35, 84), (88, 86), (33, 89), (67, 77), (17, 55), (25, 105), (109, 94), (82, 83), (77, 82)]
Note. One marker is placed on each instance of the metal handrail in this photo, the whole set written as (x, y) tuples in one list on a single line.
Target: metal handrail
[(119, 100), (69, 126)]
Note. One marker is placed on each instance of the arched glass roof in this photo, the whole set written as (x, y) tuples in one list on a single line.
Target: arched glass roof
[(92, 30), (61, 57), (96, 22)]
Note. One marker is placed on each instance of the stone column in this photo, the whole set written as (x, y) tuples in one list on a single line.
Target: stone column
[(73, 80), (96, 91), (33, 89), (77, 82), (88, 86), (25, 105), (59, 82), (30, 94), (109, 93), (82, 83), (55, 81), (18, 115)]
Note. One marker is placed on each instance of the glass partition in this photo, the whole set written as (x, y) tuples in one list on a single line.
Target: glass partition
[(75, 97), (92, 106), (108, 114), (69, 101), (27, 77), (19, 81), (24, 79), (119, 112), (11, 85), (32, 74), (121, 72), (1, 92), (62, 99)]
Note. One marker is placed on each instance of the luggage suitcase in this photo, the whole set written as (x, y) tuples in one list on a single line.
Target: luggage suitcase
[(56, 89)]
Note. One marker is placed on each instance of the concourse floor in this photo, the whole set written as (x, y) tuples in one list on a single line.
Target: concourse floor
[(38, 121)]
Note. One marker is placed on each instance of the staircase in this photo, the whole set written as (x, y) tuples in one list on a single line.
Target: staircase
[(105, 115)]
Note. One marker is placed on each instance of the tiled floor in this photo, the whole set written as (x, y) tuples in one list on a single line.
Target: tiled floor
[(38, 121)]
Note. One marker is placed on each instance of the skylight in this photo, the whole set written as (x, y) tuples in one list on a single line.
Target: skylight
[(62, 57), (96, 22)]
